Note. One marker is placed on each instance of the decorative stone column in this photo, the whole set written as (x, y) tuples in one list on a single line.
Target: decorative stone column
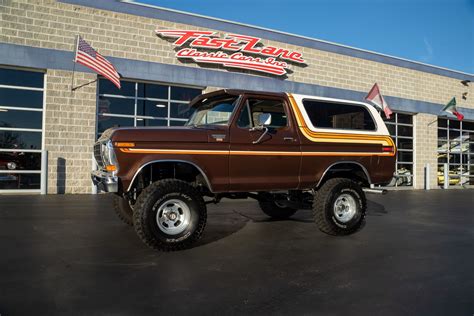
[(425, 149), (70, 127)]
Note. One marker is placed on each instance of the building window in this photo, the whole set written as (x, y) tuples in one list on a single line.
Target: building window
[(338, 116), (456, 151), (400, 126), (21, 129), (142, 104)]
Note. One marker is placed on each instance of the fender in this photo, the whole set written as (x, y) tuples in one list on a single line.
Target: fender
[(345, 162), (208, 183)]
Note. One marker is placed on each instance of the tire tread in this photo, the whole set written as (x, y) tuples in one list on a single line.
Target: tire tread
[(168, 186), (321, 202)]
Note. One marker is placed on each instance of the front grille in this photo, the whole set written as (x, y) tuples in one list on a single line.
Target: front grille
[(98, 155)]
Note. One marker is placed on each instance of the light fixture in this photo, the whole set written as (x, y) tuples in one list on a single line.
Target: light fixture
[(3, 110), (160, 106), (139, 119)]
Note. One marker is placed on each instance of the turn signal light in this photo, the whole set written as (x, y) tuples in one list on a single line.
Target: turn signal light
[(110, 168), (121, 144)]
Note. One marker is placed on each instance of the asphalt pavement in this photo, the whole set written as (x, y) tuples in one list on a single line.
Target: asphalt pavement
[(70, 255)]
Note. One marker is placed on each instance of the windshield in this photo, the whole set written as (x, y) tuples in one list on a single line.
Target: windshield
[(216, 111)]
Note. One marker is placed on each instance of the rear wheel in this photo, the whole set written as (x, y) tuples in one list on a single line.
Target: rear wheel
[(124, 209), (339, 207), (170, 215), (274, 209)]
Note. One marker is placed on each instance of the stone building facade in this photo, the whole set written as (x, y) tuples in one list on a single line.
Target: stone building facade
[(39, 36)]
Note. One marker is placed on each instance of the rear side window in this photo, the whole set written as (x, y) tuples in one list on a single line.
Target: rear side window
[(325, 114)]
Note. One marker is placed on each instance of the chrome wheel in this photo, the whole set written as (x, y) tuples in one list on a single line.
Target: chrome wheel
[(173, 217), (345, 207)]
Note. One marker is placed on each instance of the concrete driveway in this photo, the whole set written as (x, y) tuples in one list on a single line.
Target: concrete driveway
[(70, 255)]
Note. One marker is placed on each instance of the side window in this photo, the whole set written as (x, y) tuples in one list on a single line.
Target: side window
[(254, 107), (325, 114)]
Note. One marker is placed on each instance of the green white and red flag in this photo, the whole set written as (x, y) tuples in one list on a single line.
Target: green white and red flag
[(451, 108), (376, 97)]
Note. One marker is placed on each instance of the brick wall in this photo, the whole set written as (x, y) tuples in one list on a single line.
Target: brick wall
[(70, 123), (425, 148), (70, 118), (48, 24)]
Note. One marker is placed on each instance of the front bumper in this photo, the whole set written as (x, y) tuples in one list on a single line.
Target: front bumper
[(105, 181)]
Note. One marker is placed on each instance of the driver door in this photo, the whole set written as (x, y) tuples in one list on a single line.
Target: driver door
[(260, 160)]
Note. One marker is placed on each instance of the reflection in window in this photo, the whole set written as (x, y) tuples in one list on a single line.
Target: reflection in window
[(18, 160), (213, 111), (254, 107), (148, 122), (21, 119), (105, 122), (184, 94), (143, 104), (456, 151), (21, 124), (400, 127), (181, 110), (18, 181), (147, 90), (21, 78), (152, 108), (116, 106), (21, 98)]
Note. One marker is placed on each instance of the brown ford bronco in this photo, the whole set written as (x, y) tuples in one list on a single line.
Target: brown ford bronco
[(287, 151)]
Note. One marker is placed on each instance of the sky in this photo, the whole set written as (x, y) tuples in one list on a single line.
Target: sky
[(436, 32)]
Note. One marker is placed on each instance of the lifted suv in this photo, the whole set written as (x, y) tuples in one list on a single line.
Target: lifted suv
[(287, 151)]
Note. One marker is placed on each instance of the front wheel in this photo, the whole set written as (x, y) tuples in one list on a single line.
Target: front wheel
[(169, 215), (339, 207)]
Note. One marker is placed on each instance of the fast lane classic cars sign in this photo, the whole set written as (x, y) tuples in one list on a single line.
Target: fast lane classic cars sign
[(232, 50)]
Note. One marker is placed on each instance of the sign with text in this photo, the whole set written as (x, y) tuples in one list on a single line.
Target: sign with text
[(232, 50)]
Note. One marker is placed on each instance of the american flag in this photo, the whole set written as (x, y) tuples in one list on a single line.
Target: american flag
[(88, 57)]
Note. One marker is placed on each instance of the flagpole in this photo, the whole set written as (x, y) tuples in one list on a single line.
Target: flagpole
[(74, 63), (85, 84)]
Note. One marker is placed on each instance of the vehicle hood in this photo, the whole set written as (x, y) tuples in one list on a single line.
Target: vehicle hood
[(162, 134)]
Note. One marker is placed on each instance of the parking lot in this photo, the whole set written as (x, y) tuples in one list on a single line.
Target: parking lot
[(70, 255)]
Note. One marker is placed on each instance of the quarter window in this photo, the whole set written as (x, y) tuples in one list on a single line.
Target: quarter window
[(325, 114)]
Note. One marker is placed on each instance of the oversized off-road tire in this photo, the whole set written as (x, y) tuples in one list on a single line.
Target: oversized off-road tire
[(169, 215), (123, 209), (273, 209), (339, 206)]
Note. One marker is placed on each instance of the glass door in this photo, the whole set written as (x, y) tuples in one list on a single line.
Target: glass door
[(21, 129)]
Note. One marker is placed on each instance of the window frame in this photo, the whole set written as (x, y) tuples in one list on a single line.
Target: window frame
[(465, 171), (339, 130), (244, 103), (34, 130), (395, 138)]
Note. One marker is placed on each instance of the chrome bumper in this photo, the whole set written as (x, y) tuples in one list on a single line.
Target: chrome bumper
[(105, 181)]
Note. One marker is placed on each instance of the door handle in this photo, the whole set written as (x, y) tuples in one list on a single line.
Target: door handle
[(288, 139)]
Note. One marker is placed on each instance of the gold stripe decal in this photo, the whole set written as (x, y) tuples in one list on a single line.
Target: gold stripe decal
[(336, 137), (248, 153)]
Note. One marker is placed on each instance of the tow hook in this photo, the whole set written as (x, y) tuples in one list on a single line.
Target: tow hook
[(374, 191)]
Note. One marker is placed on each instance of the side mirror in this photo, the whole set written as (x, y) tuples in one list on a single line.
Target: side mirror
[(264, 119)]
